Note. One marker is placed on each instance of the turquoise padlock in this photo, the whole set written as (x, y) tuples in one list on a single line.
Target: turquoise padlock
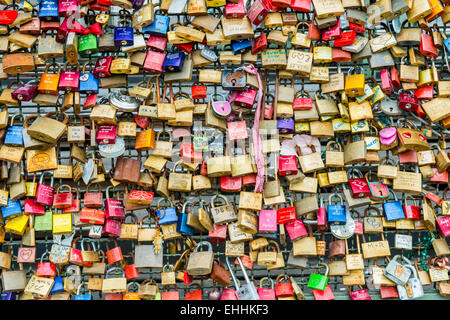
[(318, 281)]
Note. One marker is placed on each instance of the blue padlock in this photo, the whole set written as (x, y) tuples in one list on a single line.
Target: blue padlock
[(14, 134), (58, 285), (88, 83), (182, 227), (123, 36), (48, 10), (159, 27), (393, 209), (173, 61), (337, 214), (86, 296), (167, 215), (241, 46), (8, 296), (12, 209)]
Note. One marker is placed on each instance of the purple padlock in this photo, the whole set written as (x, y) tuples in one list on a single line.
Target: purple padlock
[(286, 125), (173, 61), (137, 4), (25, 92)]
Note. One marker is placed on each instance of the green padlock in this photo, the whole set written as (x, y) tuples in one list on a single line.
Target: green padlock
[(318, 281), (87, 44), (44, 222)]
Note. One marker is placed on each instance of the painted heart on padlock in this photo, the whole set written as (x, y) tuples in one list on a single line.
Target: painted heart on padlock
[(26, 255), (221, 108)]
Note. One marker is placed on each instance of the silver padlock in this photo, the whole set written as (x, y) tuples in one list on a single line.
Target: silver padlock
[(390, 107), (95, 231), (248, 290), (403, 241), (397, 272), (209, 54), (413, 288)]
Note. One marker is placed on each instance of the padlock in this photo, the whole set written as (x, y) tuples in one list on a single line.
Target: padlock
[(44, 193), (257, 12), (259, 43), (166, 215), (63, 200), (247, 291), (286, 214), (182, 226), (411, 211), (397, 272), (413, 288), (14, 135), (354, 83), (173, 61), (287, 165), (336, 213), (358, 186), (407, 101), (114, 208), (102, 67), (221, 108), (159, 26), (393, 209), (318, 281), (88, 82), (69, 80)]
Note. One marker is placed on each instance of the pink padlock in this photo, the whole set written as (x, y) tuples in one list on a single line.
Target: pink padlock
[(235, 10), (266, 293), (157, 43), (106, 134), (114, 208), (44, 193), (246, 98), (257, 12), (228, 294), (237, 130), (33, 208), (67, 8), (386, 82), (267, 222), (408, 156), (332, 33), (154, 61), (268, 106), (111, 228), (322, 222), (69, 80), (444, 225), (296, 229), (361, 294)]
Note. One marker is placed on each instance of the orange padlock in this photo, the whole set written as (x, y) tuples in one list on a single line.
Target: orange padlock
[(49, 81)]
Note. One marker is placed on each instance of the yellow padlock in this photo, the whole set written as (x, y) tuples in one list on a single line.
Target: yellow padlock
[(425, 77), (322, 54), (354, 83), (120, 65), (378, 93)]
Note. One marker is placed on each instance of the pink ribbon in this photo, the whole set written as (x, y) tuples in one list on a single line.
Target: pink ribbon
[(257, 144)]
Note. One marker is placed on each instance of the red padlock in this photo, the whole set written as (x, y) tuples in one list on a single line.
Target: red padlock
[(407, 101), (111, 228), (359, 186), (96, 6), (395, 78), (424, 93), (259, 43), (386, 83), (186, 47), (45, 269), (444, 225), (357, 27), (287, 214), (420, 112), (266, 293), (287, 165), (203, 168), (67, 8), (219, 233), (427, 47), (69, 80), (230, 184), (281, 3), (157, 43), (115, 254), (257, 12), (131, 272), (44, 193), (411, 211), (188, 154), (93, 199), (339, 55), (249, 180), (283, 290), (246, 261), (102, 65), (114, 208), (246, 98), (313, 31), (75, 256), (301, 5), (268, 107), (198, 91), (75, 207), (92, 216), (63, 200), (346, 39), (302, 101), (154, 61), (332, 33), (296, 230), (33, 208), (106, 134)]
